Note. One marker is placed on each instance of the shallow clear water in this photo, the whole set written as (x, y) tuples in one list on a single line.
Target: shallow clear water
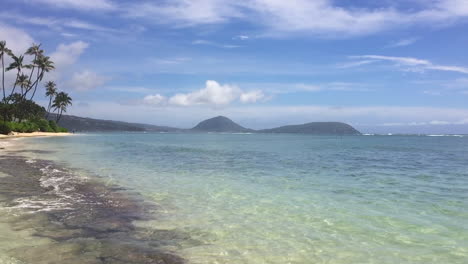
[(256, 198)]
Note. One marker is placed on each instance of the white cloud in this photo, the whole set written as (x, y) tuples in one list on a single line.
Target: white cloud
[(242, 37), (278, 17), (252, 97), (17, 40), (403, 42), (86, 80), (185, 12), (354, 64), (156, 99), (53, 23), (87, 5), (317, 17), (213, 94), (414, 63), (68, 54)]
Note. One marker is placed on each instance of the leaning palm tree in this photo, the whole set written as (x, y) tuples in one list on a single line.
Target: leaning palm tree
[(61, 102), (3, 50), (44, 65), (23, 82), (51, 92), (36, 51), (18, 65)]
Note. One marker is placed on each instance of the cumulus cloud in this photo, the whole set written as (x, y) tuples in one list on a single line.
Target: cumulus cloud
[(413, 64), (213, 94), (17, 40), (68, 54), (86, 80)]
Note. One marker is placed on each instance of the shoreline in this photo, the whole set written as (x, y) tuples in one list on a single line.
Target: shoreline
[(80, 219), (35, 134)]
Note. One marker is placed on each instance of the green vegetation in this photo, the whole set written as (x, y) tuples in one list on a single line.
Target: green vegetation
[(41, 125), (18, 111)]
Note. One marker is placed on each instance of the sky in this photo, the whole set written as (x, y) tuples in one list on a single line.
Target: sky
[(389, 66)]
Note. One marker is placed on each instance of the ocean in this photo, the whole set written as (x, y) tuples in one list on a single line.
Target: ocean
[(240, 198)]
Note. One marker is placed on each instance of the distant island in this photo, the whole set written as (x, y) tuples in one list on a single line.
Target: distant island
[(219, 124)]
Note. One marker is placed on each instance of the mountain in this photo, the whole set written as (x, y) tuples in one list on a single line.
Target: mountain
[(215, 124), (316, 128), (219, 124), (75, 123)]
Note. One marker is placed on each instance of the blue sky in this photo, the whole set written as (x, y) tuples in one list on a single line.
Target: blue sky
[(382, 66)]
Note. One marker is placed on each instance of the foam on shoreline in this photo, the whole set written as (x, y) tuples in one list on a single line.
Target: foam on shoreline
[(77, 219)]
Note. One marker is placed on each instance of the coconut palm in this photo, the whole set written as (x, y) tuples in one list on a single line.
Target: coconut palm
[(3, 50), (36, 51), (44, 65), (18, 65), (23, 82), (61, 101), (51, 92)]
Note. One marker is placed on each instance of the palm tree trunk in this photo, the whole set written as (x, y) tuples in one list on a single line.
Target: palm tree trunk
[(35, 84), (48, 107), (58, 116), (3, 77), (14, 86)]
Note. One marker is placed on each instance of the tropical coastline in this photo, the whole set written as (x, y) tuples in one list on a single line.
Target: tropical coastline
[(233, 132)]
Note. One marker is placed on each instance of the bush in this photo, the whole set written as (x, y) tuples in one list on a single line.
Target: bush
[(53, 126), (62, 130), (43, 125), (29, 127), (24, 127), (5, 128)]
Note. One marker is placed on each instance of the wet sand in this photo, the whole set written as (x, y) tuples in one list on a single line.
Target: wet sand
[(75, 219)]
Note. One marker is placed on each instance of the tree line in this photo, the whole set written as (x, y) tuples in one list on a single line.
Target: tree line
[(17, 107)]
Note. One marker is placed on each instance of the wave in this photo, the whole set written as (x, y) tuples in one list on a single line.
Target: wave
[(445, 135)]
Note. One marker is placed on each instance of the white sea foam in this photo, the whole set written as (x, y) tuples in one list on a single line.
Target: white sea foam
[(62, 185), (445, 135)]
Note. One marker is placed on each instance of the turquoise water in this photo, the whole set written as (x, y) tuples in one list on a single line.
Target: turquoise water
[(254, 198)]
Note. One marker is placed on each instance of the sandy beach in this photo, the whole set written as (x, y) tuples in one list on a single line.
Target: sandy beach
[(35, 134)]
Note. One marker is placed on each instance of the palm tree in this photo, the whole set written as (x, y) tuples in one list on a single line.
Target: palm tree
[(18, 65), (51, 92), (3, 50), (44, 65), (61, 101), (36, 51), (23, 82)]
